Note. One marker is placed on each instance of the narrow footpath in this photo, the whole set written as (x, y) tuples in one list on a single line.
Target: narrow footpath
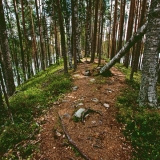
[(98, 136)]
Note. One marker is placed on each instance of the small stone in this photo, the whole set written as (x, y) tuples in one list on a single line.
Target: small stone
[(58, 134), (87, 73), (92, 80), (39, 135), (95, 100), (100, 122), (75, 88), (76, 75), (56, 103), (79, 104), (93, 122), (42, 119), (106, 105)]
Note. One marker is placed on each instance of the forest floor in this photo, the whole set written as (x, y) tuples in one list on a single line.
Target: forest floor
[(99, 136)]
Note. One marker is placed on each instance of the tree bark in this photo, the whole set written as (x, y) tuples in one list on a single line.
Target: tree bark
[(74, 39), (35, 53), (8, 73), (43, 52), (122, 16), (148, 92), (94, 40), (113, 49), (134, 39), (63, 44), (88, 30), (56, 43), (68, 31), (138, 47), (109, 34), (26, 42), (20, 39), (129, 29)]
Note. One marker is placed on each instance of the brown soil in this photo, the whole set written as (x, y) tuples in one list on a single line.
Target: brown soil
[(100, 136)]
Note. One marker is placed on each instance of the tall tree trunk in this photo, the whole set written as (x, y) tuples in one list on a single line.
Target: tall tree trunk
[(100, 32), (35, 53), (8, 73), (122, 16), (138, 46), (148, 91), (26, 41), (56, 43), (135, 29), (113, 49), (68, 31), (88, 30), (109, 34), (129, 29), (74, 36), (94, 39), (12, 46), (63, 43), (20, 39), (43, 52)]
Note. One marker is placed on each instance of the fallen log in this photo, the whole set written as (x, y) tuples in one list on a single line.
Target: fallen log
[(130, 43), (71, 141)]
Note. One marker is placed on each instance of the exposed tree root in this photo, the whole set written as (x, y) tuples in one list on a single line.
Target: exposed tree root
[(87, 111), (71, 141)]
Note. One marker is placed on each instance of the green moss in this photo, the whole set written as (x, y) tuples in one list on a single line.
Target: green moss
[(32, 98), (142, 124)]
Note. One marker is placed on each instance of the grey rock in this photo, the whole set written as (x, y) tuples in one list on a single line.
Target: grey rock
[(98, 68), (79, 112), (92, 80), (58, 134), (87, 73), (93, 122), (75, 88), (95, 100), (76, 75), (79, 104), (106, 105)]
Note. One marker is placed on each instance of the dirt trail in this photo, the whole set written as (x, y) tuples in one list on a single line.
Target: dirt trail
[(99, 137)]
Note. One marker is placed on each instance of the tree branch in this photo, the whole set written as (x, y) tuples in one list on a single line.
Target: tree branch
[(71, 141)]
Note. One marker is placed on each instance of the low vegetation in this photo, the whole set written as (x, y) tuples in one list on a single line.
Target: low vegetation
[(18, 139), (29, 102), (141, 124)]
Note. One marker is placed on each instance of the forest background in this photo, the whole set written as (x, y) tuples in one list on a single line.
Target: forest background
[(37, 34)]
